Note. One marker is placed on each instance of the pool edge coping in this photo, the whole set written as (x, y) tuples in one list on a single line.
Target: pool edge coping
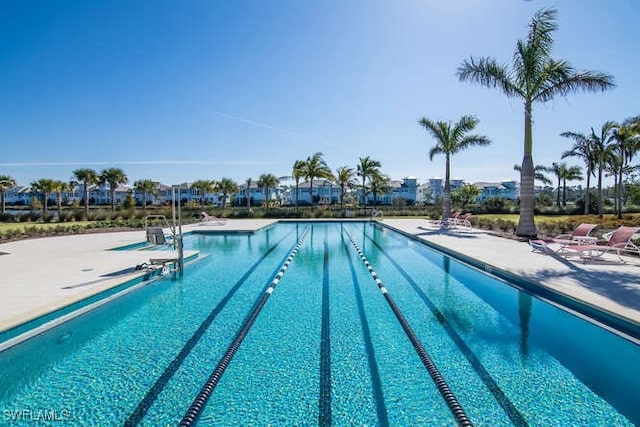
[(620, 325)]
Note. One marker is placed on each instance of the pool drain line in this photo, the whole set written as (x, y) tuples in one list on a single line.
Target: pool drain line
[(450, 399), (198, 405)]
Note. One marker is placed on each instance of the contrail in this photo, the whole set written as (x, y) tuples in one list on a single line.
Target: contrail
[(266, 126)]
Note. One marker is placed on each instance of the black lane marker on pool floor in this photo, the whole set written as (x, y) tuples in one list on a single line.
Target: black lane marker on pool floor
[(376, 382), (441, 384), (324, 404), (509, 408), (197, 406), (146, 402)]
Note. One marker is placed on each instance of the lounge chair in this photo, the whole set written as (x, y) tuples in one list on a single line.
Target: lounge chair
[(457, 220), (545, 246), (619, 241), (211, 220), (579, 236)]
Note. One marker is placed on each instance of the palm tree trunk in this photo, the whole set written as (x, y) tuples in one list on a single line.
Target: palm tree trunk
[(558, 193), (59, 203), (619, 195), (564, 192), (526, 224), (311, 192), (446, 202), (586, 195), (86, 200), (600, 191), (2, 195), (44, 205), (113, 199)]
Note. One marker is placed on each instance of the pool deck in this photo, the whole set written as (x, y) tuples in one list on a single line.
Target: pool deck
[(41, 275)]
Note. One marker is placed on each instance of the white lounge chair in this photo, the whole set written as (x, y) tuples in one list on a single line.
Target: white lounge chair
[(211, 220)]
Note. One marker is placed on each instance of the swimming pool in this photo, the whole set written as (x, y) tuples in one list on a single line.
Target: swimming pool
[(326, 347)]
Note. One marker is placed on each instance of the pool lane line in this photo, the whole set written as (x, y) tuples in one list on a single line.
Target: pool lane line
[(503, 400), (376, 382), (199, 403), (450, 399), (324, 401), (152, 394)]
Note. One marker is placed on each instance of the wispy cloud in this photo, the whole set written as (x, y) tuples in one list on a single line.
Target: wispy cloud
[(135, 162)]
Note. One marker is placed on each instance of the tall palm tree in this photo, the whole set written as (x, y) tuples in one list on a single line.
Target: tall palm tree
[(204, 186), (582, 148), (449, 141), (299, 167), (227, 186), (365, 169), (113, 177), (248, 184), (6, 182), (534, 77), (602, 154), (315, 167), (267, 181), (44, 186), (557, 170), (625, 147), (88, 177), (145, 186), (60, 187), (345, 176)]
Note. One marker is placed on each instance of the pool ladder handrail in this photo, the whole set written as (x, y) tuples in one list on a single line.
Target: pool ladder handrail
[(450, 399)]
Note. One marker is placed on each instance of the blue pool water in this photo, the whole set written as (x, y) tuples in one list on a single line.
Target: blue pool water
[(326, 347)]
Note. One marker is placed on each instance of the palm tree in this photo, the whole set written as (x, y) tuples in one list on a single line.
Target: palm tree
[(87, 177), (113, 177), (227, 186), (145, 186), (204, 186), (367, 168), (297, 173), (345, 177), (6, 182), (449, 141), (602, 154), (315, 167), (60, 187), (583, 148), (248, 184), (538, 174), (44, 186), (378, 184), (564, 173), (534, 77), (267, 181)]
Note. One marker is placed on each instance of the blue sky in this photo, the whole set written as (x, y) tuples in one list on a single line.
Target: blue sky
[(179, 91)]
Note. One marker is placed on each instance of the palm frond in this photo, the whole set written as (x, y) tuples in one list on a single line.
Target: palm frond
[(561, 79), (487, 72)]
